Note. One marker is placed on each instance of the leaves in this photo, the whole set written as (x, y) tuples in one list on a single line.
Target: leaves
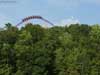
[(34, 50)]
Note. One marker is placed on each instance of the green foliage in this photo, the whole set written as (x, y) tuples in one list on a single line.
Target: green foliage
[(34, 50)]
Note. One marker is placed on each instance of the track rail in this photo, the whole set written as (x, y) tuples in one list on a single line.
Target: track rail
[(34, 17)]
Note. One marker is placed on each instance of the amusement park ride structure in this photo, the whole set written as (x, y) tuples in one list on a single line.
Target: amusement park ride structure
[(34, 17)]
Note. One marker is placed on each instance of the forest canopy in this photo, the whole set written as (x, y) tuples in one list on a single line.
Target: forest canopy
[(34, 50)]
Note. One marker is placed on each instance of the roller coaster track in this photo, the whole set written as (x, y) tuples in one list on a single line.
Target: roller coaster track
[(34, 17)]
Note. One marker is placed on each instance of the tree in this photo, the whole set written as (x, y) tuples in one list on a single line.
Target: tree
[(34, 50)]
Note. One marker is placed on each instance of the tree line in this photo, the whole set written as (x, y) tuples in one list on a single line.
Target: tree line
[(34, 50)]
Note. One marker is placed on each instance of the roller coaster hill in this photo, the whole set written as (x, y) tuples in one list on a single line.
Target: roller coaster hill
[(34, 17)]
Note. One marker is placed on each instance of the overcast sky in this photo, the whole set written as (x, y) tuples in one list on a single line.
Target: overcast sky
[(57, 11)]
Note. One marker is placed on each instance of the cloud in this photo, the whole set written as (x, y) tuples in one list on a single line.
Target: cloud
[(92, 1), (3, 20), (68, 21), (70, 3), (63, 3)]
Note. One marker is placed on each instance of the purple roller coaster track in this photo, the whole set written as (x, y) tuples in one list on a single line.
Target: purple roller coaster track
[(34, 17)]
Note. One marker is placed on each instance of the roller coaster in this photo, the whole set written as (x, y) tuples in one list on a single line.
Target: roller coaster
[(34, 17)]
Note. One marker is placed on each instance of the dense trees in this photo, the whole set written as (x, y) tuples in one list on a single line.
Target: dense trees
[(34, 50)]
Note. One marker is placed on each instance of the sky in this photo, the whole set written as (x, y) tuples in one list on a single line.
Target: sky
[(59, 12)]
